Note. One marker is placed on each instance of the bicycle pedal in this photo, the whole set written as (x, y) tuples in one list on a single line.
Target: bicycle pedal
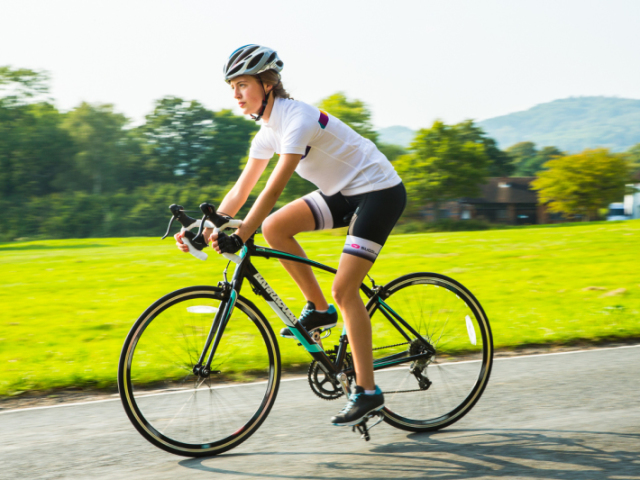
[(317, 334), (378, 414), (363, 428), (326, 331)]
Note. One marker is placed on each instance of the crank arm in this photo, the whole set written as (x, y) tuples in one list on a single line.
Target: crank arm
[(344, 383)]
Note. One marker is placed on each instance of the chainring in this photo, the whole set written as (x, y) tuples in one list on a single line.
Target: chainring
[(321, 383)]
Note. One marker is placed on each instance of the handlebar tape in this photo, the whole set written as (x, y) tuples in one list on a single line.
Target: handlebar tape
[(199, 254)]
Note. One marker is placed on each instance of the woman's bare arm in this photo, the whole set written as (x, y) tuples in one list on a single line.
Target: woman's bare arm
[(269, 196), (237, 196)]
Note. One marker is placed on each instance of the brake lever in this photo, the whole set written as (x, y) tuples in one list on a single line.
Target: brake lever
[(175, 212), (179, 214), (210, 213), (201, 229), (168, 228)]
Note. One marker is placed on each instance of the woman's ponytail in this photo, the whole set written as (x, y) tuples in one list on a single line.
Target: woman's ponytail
[(271, 77)]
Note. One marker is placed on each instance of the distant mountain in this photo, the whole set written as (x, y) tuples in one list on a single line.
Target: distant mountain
[(397, 135), (571, 124)]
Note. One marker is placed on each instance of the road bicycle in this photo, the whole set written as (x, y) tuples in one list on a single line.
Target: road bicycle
[(219, 365)]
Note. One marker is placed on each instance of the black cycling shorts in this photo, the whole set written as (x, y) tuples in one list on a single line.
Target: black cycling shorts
[(370, 216)]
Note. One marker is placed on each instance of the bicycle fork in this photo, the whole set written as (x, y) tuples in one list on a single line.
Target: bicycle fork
[(215, 334)]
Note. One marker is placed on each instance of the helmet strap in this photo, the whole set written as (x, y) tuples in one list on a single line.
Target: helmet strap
[(265, 101)]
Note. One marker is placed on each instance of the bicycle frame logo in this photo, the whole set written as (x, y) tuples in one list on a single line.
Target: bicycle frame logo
[(277, 304)]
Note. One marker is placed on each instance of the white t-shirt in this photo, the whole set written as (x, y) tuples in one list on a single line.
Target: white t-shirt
[(335, 157)]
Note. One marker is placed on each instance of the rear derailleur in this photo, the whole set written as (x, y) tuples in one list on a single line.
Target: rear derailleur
[(419, 366)]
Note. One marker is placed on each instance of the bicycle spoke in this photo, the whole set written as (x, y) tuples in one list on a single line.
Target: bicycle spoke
[(437, 310), (189, 413)]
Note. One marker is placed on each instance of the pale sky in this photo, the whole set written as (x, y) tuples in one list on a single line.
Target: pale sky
[(411, 61)]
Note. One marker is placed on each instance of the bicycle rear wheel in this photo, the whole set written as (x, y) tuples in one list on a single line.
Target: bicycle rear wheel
[(431, 394), (184, 413)]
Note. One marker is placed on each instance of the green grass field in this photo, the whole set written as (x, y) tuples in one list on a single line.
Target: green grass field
[(67, 305)]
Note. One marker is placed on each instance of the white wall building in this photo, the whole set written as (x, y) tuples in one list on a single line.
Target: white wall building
[(632, 203)]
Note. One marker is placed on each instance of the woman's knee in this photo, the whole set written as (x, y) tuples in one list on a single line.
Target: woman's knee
[(288, 222), (342, 293), (270, 229), (346, 284)]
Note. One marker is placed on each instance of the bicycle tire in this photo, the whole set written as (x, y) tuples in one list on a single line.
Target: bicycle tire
[(172, 407), (450, 317)]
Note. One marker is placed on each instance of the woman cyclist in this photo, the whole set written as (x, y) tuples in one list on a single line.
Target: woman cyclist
[(358, 187)]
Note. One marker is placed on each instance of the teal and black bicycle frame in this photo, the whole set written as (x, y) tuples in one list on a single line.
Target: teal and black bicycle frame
[(245, 270)]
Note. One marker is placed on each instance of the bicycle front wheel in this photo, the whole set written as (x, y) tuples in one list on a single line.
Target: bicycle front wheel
[(430, 394), (194, 415)]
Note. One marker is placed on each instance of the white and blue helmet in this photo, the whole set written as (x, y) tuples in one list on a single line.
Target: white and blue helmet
[(251, 60)]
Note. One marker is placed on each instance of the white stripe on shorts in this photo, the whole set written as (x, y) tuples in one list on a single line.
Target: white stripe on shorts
[(320, 210)]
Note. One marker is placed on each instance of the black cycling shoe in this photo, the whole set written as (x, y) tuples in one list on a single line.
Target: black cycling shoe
[(359, 406), (312, 320)]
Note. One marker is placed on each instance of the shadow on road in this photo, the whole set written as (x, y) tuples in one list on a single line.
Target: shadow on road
[(454, 454)]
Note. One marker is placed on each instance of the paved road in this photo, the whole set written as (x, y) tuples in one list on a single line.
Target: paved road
[(560, 416)]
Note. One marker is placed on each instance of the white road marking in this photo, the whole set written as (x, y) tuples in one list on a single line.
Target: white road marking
[(515, 357)]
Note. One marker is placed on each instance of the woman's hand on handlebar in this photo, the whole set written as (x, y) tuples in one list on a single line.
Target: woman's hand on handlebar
[(212, 240), (182, 246), (223, 243)]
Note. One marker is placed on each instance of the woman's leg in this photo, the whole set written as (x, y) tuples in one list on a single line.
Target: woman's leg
[(278, 230), (346, 286)]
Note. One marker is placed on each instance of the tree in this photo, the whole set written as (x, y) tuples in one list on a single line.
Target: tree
[(178, 136), (633, 157), (232, 137), (581, 184), (101, 140), (352, 112), (35, 152), (443, 165), (537, 164), (34, 149), (522, 154), (500, 163), (528, 161), (185, 140), (22, 86), (392, 152)]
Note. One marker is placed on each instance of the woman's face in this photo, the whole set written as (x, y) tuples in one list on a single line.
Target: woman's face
[(249, 93)]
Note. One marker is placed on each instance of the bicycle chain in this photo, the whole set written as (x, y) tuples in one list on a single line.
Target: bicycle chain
[(330, 395), (404, 391), (391, 346)]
